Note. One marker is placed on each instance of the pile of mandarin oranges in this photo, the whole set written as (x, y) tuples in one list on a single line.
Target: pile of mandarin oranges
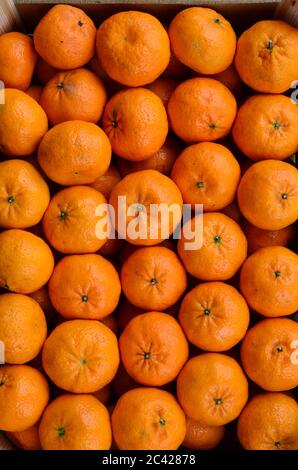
[(140, 343)]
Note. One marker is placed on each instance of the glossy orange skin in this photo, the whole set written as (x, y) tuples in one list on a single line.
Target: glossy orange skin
[(266, 57), (20, 111), (23, 328), (74, 95), (258, 238), (223, 251), (214, 316), (197, 36), (24, 393), (153, 278), (17, 60), (75, 422), (207, 173), (268, 194), (206, 379), (81, 151), (81, 356), (65, 37), (26, 261), (35, 92), (153, 348), (148, 419), (142, 189), (26, 440), (78, 276), (230, 78), (44, 71), (266, 127), (201, 437), (201, 110), (24, 194), (267, 354), (69, 222), (269, 422), (133, 48), (136, 123), (267, 280), (161, 161), (163, 87), (106, 182)]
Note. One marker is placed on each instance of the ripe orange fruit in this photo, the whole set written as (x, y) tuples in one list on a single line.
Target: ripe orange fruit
[(122, 382), (20, 111), (230, 78), (268, 196), (111, 322), (148, 419), (41, 296), (161, 161), (133, 48), (81, 356), (139, 224), (223, 250), (84, 286), (65, 37), (267, 280), (111, 247), (195, 110), (153, 278), (163, 87), (126, 312), (136, 123), (26, 440), (24, 195), (24, 393), (17, 60), (269, 422), (197, 37), (267, 354), (266, 57), (74, 95), (23, 328), (266, 127), (214, 316), (69, 222), (153, 348), (258, 238), (35, 92), (212, 389), (104, 394), (80, 150), (201, 437), (44, 71), (26, 261), (175, 69), (207, 173), (233, 211), (105, 183), (75, 422)]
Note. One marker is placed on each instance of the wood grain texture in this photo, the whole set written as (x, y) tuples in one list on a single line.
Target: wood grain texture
[(287, 10)]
